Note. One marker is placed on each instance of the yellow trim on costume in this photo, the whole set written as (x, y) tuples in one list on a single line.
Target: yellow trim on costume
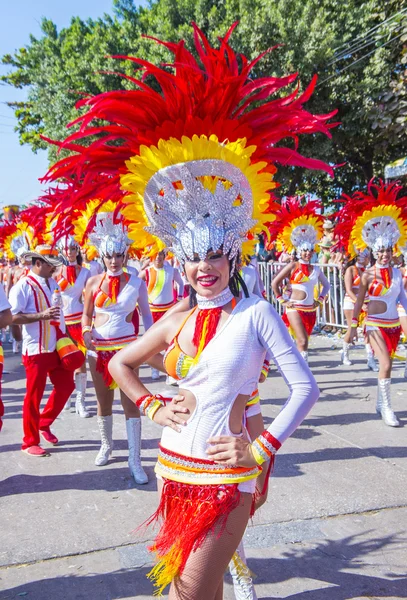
[(373, 322), (186, 469)]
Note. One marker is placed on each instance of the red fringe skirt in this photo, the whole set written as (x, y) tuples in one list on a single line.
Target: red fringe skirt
[(102, 362), (308, 318), (189, 511), (390, 330), (391, 336)]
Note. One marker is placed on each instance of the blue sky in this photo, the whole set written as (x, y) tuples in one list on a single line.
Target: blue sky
[(20, 168)]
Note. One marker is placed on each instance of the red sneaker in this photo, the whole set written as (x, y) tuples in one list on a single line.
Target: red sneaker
[(49, 437), (35, 451)]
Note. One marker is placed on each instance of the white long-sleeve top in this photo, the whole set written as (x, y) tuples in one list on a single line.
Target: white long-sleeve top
[(229, 367)]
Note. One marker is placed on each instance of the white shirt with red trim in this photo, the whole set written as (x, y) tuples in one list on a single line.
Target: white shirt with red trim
[(27, 297)]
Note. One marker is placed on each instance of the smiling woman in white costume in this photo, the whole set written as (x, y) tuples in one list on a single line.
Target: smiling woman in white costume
[(196, 164)]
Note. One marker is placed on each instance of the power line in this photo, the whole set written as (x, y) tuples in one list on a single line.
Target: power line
[(7, 117), (359, 59), (360, 38), (372, 40)]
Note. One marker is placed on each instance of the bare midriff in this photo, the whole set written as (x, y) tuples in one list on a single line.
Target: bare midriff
[(236, 414), (102, 318)]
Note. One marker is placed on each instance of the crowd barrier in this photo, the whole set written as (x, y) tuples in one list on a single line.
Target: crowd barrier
[(331, 312)]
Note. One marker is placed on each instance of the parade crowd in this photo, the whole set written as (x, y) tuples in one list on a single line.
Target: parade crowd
[(162, 214)]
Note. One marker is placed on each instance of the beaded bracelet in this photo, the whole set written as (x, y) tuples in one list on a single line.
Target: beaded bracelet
[(264, 447), (149, 404), (265, 368), (355, 322), (86, 329), (321, 299)]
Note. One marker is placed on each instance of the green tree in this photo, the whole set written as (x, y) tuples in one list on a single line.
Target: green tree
[(358, 49)]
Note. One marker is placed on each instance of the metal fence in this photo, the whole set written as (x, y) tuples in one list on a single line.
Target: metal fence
[(331, 312)]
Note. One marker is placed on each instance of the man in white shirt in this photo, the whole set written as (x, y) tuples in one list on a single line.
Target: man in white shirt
[(5, 321), (31, 306)]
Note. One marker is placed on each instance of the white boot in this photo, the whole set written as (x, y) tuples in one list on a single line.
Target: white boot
[(345, 354), (383, 405), (155, 374), (371, 363), (304, 354), (80, 386), (16, 347), (133, 427), (243, 587), (106, 435)]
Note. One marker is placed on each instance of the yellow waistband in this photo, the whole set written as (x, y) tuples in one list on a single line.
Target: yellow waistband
[(196, 471)]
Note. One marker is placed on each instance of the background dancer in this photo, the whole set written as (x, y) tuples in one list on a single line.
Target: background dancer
[(161, 279), (112, 298), (72, 279), (400, 309), (377, 220), (353, 273), (298, 228), (5, 321), (18, 238), (251, 276)]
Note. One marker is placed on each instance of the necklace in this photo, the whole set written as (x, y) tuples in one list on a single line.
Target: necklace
[(220, 300)]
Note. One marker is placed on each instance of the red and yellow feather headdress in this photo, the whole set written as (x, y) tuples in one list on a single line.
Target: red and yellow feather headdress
[(191, 163), (298, 224), (373, 219), (18, 236)]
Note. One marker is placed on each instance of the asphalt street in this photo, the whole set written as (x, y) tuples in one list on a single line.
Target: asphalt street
[(333, 528)]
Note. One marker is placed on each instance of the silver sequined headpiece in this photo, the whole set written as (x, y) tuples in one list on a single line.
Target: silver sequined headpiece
[(109, 237), (190, 218), (304, 237), (67, 241), (19, 246), (380, 232)]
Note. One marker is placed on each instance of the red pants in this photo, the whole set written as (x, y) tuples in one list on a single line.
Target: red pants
[(37, 367)]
